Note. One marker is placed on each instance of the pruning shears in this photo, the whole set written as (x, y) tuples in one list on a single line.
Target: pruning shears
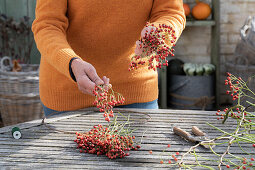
[(200, 138)]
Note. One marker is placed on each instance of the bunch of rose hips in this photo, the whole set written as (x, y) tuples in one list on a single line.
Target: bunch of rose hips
[(103, 141), (106, 99), (155, 46), (237, 88), (234, 85)]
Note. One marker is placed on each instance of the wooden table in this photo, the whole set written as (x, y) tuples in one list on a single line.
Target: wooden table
[(43, 147)]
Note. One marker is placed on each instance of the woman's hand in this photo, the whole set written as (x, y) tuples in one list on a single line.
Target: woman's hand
[(86, 76), (139, 45)]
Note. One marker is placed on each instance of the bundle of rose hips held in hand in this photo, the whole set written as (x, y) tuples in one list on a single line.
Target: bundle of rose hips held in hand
[(106, 99), (154, 47)]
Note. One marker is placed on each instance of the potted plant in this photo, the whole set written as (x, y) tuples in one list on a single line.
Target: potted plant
[(190, 85)]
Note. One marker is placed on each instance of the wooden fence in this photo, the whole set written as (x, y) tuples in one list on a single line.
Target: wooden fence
[(18, 9)]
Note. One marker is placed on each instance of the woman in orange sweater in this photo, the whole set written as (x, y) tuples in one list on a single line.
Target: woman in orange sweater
[(83, 41)]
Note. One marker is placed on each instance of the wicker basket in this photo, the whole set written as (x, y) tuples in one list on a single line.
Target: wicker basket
[(15, 85), (20, 108), (19, 94)]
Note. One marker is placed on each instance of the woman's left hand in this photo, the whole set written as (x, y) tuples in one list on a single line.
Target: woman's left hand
[(139, 45)]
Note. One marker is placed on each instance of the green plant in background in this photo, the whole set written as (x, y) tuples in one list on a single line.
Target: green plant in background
[(192, 69), (16, 41)]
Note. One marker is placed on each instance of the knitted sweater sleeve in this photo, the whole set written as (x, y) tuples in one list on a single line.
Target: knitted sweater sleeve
[(169, 12), (49, 28)]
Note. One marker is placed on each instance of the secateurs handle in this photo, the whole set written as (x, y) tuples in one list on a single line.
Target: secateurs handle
[(197, 131), (184, 134)]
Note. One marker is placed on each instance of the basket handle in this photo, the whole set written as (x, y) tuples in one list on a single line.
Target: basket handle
[(245, 28), (2, 61)]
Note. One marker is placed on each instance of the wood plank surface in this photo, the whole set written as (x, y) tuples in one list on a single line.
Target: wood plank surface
[(45, 146)]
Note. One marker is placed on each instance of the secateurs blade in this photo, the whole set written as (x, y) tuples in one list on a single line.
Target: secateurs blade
[(200, 138)]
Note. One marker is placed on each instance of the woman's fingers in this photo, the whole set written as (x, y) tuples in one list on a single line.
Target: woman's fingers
[(86, 76), (106, 82), (85, 85), (92, 74), (138, 48), (147, 30)]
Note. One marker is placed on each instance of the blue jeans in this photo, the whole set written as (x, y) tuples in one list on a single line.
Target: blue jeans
[(148, 105)]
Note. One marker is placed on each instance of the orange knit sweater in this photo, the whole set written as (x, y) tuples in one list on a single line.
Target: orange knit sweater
[(103, 33)]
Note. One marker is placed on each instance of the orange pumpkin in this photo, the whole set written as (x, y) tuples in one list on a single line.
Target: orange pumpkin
[(201, 11), (186, 9)]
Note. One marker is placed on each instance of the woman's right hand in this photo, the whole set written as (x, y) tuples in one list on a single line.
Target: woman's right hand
[(86, 76)]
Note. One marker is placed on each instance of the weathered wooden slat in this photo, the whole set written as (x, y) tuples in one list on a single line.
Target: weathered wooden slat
[(168, 125), (147, 115), (163, 119), (162, 136), (149, 146), (156, 133), (102, 161), (75, 166), (140, 132), (153, 111), (132, 160), (149, 124), (145, 148), (23, 165), (89, 163), (52, 130), (88, 157), (153, 117), (59, 136), (146, 140), (75, 152), (84, 127), (159, 112)]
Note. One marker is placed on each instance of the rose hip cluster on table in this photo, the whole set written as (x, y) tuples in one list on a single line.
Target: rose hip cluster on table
[(105, 141)]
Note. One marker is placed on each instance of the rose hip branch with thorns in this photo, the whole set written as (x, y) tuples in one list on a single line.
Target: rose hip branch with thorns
[(154, 47), (106, 99)]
